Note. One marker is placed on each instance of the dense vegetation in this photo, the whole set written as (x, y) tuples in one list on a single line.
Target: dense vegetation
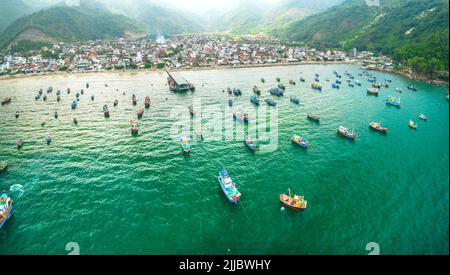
[(71, 24), (10, 10), (414, 32)]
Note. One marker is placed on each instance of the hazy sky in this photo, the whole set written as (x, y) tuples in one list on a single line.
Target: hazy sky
[(204, 5)]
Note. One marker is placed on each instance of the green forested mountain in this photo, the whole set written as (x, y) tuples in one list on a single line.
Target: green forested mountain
[(70, 24), (10, 10), (414, 32)]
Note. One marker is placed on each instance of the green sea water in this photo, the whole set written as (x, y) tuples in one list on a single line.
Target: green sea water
[(113, 193)]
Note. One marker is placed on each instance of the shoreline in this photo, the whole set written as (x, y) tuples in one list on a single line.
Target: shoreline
[(406, 74), (143, 71)]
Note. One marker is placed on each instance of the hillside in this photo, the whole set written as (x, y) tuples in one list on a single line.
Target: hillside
[(10, 10), (414, 32), (70, 24)]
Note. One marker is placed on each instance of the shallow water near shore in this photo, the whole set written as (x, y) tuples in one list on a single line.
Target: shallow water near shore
[(110, 192)]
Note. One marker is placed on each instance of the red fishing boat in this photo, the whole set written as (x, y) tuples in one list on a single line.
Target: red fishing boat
[(296, 202)]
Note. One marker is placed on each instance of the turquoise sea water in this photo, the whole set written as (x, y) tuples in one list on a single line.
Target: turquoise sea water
[(113, 193)]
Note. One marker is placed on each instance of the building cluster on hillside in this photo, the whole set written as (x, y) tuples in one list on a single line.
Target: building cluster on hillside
[(176, 52)]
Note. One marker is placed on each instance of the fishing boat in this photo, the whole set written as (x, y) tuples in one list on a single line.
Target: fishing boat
[(297, 202), (316, 79), (116, 102), (3, 165), (390, 100), (147, 102), (56, 114), (6, 100), (412, 87), (75, 120), (378, 127), (302, 79), (43, 123), (398, 90), (243, 117), (6, 207), (92, 97), (358, 83), (17, 114), (373, 91), (77, 95), (281, 86), (316, 86), (228, 187), (346, 133), (270, 102), (49, 139), (413, 125), (254, 100), (106, 110), (278, 79), (295, 100), (19, 143), (74, 104), (140, 113), (300, 141), (185, 146), (292, 82), (276, 91), (237, 92), (423, 117), (351, 77), (313, 117), (134, 127), (133, 99), (250, 144), (58, 92), (263, 80), (335, 86), (230, 102), (256, 90)]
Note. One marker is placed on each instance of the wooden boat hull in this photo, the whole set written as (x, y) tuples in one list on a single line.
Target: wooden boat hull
[(286, 201)]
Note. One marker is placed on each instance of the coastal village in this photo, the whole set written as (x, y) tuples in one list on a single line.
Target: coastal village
[(180, 52)]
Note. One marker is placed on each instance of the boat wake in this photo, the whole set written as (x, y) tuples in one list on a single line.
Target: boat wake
[(17, 188)]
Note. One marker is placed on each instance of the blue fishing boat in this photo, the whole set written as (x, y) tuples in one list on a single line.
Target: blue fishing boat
[(295, 100), (276, 91), (372, 79), (228, 187), (250, 144), (74, 104), (335, 86), (270, 102), (254, 100), (77, 95), (300, 141), (390, 100), (6, 207)]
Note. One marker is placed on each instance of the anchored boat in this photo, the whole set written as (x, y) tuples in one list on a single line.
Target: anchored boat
[(413, 125), (140, 113), (49, 139), (106, 110), (300, 141), (250, 144), (254, 100), (390, 100), (346, 133), (295, 100), (378, 127), (147, 102), (313, 117), (276, 91), (316, 86), (256, 90), (423, 117), (373, 91), (19, 143), (270, 102), (228, 187), (133, 99), (296, 202), (6, 207), (230, 102), (134, 127), (6, 100), (335, 86), (116, 102)]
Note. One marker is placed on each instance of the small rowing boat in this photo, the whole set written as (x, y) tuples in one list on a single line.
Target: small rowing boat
[(3, 165), (295, 100), (335, 86), (358, 83), (412, 87), (256, 90), (116, 102), (254, 100), (423, 117), (250, 144), (292, 82), (147, 102), (92, 97), (228, 187), (413, 125), (300, 141), (346, 133), (106, 110), (270, 102), (313, 117), (49, 139), (278, 79), (276, 91), (19, 143), (398, 90), (75, 120), (6, 206), (17, 114), (378, 127), (56, 114), (133, 99), (295, 203), (263, 80), (373, 91), (58, 98), (74, 104), (185, 146)]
